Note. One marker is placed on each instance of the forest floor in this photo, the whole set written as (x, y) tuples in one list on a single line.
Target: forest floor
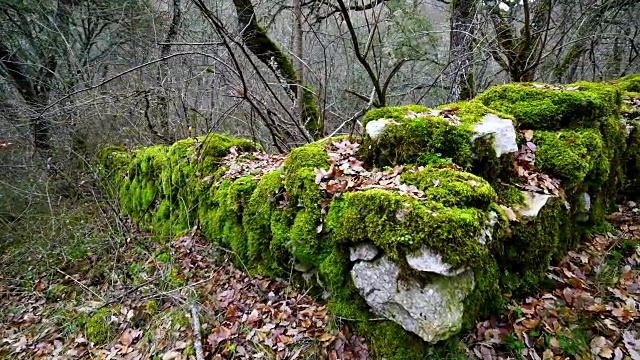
[(80, 282)]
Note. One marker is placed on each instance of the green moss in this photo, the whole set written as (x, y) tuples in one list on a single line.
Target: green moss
[(277, 220), (533, 244), (407, 141), (333, 267), (162, 187), (546, 109), (270, 54), (223, 220), (615, 145), (267, 224), (486, 298), (385, 339), (258, 214), (472, 112), (99, 328), (299, 174), (576, 156), (151, 307), (398, 225), (629, 83), (395, 113), (432, 140), (509, 195), (304, 241), (216, 146), (451, 187), (113, 158)]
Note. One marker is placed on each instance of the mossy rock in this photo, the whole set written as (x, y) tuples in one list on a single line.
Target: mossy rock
[(629, 83), (452, 187), (399, 225), (411, 140), (534, 244), (413, 136), (537, 107), (632, 162), (575, 156), (159, 186)]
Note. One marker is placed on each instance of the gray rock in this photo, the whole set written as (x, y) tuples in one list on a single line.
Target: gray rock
[(585, 202), (504, 134), (364, 251), (486, 233), (429, 261), (584, 205), (433, 312), (302, 267), (534, 202), (628, 129)]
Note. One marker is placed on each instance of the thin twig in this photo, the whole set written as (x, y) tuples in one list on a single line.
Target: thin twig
[(355, 117), (119, 75), (119, 298), (79, 283), (197, 340)]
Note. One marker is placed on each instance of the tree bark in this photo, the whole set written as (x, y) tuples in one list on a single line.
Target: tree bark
[(258, 42), (520, 54), (35, 95), (460, 50), (590, 27), (35, 86), (165, 50)]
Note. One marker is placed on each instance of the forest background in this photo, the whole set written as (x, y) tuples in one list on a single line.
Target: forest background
[(78, 74)]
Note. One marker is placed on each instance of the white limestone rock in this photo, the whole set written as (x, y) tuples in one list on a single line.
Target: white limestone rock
[(503, 132), (364, 251), (433, 312), (376, 127), (429, 261), (534, 202)]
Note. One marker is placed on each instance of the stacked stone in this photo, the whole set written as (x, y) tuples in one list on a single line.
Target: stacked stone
[(430, 265)]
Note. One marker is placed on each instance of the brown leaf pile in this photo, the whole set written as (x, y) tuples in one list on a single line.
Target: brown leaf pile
[(257, 310), (256, 164), (531, 178), (242, 317), (592, 314), (346, 173), (448, 114)]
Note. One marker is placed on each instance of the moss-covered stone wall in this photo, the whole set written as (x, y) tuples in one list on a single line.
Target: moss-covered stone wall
[(499, 188)]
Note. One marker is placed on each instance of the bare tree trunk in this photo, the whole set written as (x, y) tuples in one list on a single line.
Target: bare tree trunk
[(297, 13), (460, 50), (34, 93), (165, 50), (520, 51), (260, 44), (35, 86), (593, 24)]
